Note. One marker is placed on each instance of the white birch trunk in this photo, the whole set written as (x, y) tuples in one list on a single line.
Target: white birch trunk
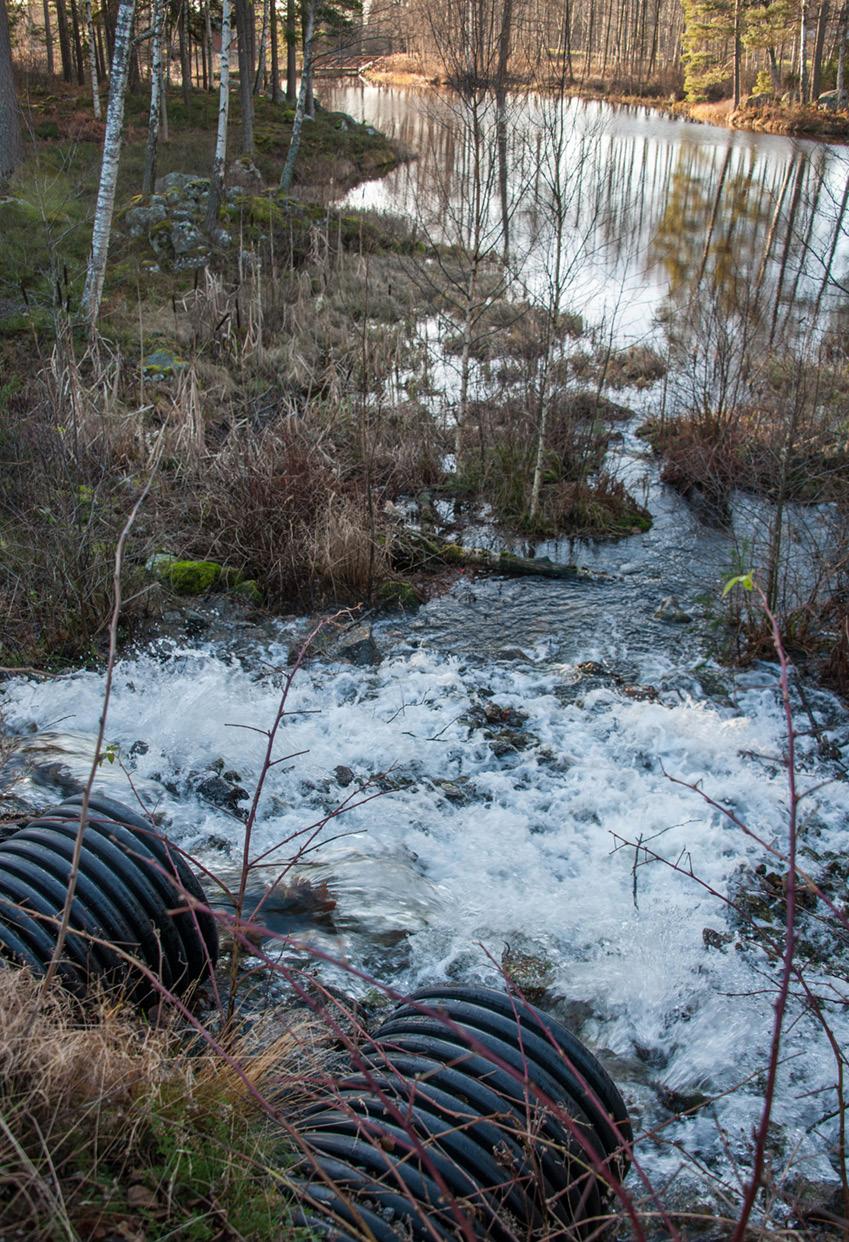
[(102, 229), (216, 181), (92, 61), (149, 181), (306, 75)]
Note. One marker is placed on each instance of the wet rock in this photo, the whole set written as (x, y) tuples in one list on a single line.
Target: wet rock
[(681, 1101), (56, 775), (218, 791), (344, 776), (813, 1198), (528, 969), (591, 668), (459, 790), (671, 612), (714, 939), (494, 713), (641, 694), (356, 646)]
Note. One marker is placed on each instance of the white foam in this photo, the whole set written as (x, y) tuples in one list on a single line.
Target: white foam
[(531, 853)]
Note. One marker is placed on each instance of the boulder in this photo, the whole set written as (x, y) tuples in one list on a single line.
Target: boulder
[(162, 364), (244, 175), (186, 237), (179, 181), (141, 219), (670, 611), (830, 100), (357, 646)]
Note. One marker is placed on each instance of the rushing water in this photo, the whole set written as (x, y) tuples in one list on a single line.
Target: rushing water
[(516, 778)]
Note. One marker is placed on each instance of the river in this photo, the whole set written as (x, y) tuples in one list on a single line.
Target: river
[(525, 735)]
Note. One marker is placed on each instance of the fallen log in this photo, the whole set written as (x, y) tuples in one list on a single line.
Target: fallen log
[(415, 550)]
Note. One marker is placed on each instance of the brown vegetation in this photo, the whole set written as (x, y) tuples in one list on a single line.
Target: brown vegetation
[(115, 1127)]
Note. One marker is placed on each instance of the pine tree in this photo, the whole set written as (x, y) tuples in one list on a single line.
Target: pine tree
[(11, 145), (708, 35)]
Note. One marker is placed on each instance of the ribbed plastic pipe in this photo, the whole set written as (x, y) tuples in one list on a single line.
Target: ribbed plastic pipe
[(475, 1113), (133, 900)]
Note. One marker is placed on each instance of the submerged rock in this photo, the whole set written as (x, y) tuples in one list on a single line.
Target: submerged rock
[(670, 611)]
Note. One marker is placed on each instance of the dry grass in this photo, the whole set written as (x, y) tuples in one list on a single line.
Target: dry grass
[(111, 1127)]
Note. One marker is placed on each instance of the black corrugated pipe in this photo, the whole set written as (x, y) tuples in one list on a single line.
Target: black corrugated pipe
[(447, 1121), (130, 895)]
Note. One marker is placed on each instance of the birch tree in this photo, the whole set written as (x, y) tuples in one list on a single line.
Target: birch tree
[(155, 97), (11, 144), (216, 181), (300, 107), (92, 61), (102, 229)]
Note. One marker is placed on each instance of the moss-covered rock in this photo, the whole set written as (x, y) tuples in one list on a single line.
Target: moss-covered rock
[(185, 577), (162, 364), (398, 594), (249, 590)]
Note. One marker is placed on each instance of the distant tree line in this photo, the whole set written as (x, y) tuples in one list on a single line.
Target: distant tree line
[(707, 49)]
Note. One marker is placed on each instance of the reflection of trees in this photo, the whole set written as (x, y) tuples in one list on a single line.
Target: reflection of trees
[(745, 229), (711, 231)]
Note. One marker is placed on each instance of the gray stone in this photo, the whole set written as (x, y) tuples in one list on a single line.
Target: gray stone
[(139, 220), (219, 236), (220, 792), (344, 776), (178, 181), (186, 238), (714, 939), (671, 612), (162, 364), (357, 646), (244, 174)]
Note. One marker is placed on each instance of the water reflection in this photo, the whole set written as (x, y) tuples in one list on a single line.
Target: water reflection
[(659, 208)]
